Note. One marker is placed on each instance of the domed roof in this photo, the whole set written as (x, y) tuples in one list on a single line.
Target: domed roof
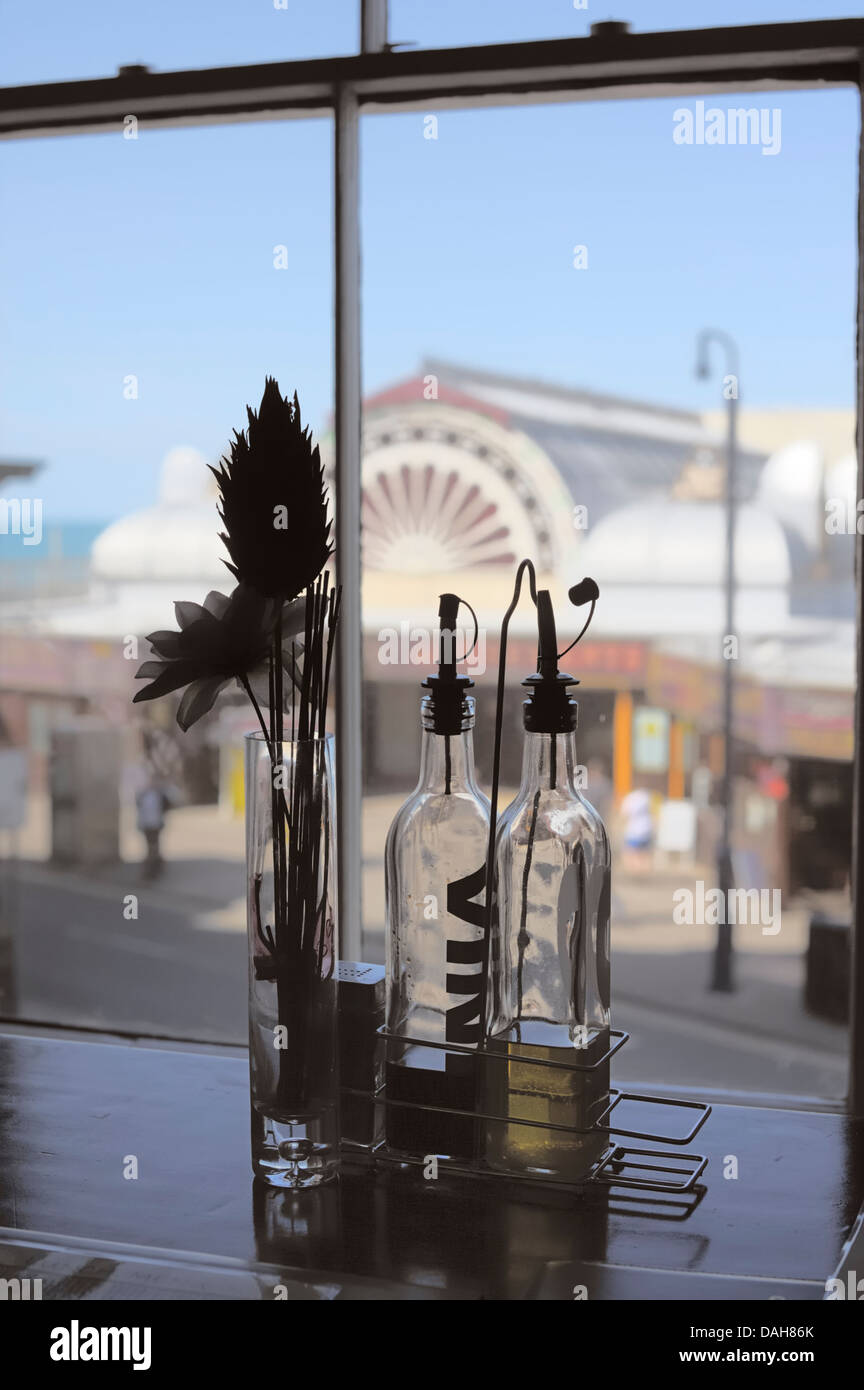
[(185, 478), (793, 472), (841, 480), (684, 544), (176, 539), (790, 486)]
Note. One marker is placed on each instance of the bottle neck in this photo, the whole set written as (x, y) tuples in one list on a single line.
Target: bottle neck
[(549, 764), (447, 763)]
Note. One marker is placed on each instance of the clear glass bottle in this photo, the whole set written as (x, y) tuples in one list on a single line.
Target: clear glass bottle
[(435, 868), (549, 998)]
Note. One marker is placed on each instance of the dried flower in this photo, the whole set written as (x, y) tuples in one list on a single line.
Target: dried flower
[(273, 501), (258, 678), (227, 637)]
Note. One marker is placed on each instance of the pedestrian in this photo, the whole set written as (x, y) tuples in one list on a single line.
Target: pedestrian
[(151, 803), (638, 829)]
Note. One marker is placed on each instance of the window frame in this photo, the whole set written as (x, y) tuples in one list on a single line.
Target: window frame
[(611, 63)]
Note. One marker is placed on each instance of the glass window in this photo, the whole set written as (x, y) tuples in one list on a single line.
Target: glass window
[(148, 287), (94, 38), (453, 23), (535, 282)]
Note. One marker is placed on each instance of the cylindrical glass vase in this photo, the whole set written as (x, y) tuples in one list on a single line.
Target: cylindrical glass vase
[(293, 951)]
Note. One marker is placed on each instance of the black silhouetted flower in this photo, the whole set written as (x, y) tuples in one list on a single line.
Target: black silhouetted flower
[(273, 501), (227, 637)]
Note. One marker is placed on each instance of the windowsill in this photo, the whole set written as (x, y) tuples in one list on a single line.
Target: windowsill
[(763, 1100), (79, 1113), (15, 1028)]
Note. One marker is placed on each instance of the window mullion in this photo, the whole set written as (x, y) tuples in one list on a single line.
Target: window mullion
[(349, 671)]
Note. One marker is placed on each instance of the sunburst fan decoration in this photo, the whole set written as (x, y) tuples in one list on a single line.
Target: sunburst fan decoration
[(423, 517)]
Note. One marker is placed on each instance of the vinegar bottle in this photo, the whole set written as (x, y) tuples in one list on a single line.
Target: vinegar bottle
[(549, 997), (435, 866)]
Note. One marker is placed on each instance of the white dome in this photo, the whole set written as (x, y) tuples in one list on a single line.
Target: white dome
[(793, 472), (178, 539), (841, 480), (684, 544), (185, 478), (790, 486)]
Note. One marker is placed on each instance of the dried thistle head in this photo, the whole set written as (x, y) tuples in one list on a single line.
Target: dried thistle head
[(273, 500)]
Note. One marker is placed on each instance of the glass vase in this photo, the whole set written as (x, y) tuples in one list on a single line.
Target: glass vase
[(293, 952)]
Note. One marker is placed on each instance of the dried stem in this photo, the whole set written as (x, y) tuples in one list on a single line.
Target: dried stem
[(302, 933)]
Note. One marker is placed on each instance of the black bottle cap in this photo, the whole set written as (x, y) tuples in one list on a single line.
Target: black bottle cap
[(447, 688), (550, 708)]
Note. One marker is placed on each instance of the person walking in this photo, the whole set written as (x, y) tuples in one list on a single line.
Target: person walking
[(638, 830), (151, 803)]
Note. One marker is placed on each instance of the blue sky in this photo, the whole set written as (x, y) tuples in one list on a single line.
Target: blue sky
[(155, 257)]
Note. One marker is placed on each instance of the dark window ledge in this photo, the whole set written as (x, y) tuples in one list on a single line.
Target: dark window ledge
[(191, 1225)]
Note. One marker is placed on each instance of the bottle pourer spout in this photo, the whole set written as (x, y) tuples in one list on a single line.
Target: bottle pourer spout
[(448, 611), (586, 591), (447, 688), (547, 638), (550, 708)]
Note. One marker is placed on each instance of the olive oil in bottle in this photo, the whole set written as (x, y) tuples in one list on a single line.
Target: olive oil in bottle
[(549, 985)]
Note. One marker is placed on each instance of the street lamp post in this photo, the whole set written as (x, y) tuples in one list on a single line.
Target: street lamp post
[(721, 970)]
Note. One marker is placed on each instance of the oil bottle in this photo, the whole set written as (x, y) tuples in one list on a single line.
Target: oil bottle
[(548, 1012), (435, 867)]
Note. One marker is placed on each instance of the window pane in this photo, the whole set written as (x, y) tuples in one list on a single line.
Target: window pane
[(94, 38), (148, 287), (535, 282), (453, 23)]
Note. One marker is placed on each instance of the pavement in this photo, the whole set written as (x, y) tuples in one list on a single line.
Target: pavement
[(758, 1038)]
